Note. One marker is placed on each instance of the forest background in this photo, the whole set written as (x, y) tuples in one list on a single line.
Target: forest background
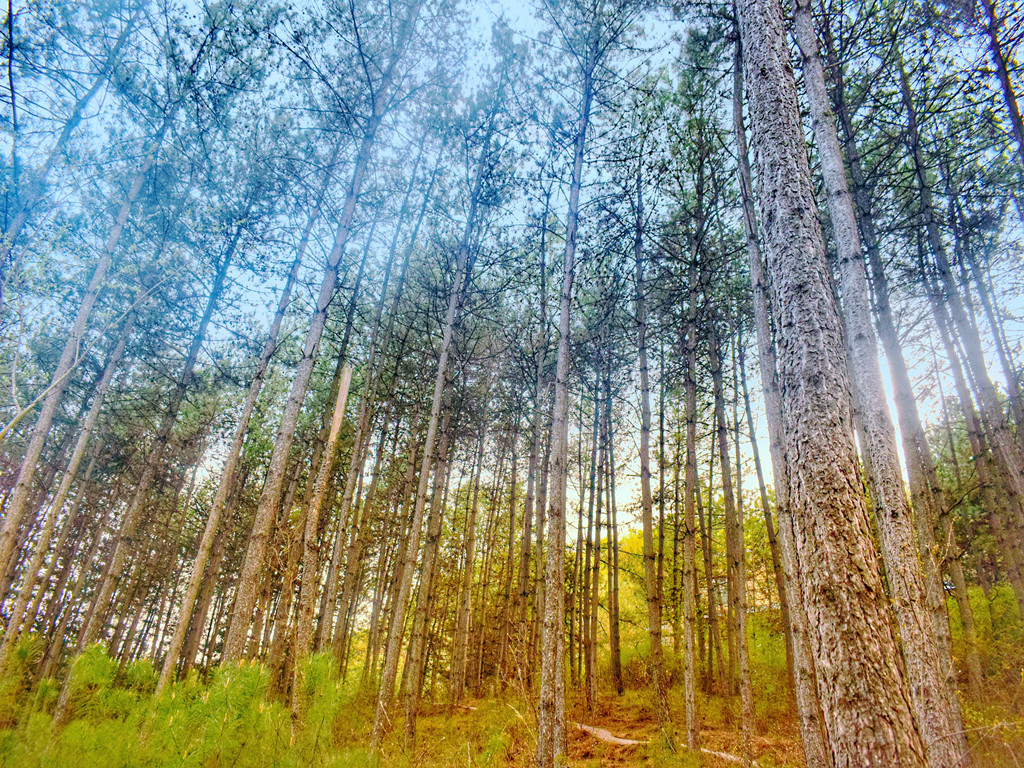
[(322, 323)]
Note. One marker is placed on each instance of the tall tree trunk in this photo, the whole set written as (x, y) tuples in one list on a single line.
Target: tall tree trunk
[(61, 552), (69, 358), (689, 580), (507, 592), (368, 400), (311, 547), (18, 613), (994, 498), (269, 505), (769, 522), (715, 681), (37, 186), (588, 603), (657, 664), (866, 705), (551, 707), (539, 575), (228, 478), (614, 640), (1005, 448), (132, 516), (927, 658), (357, 547), (995, 47), (739, 661), (519, 609), (925, 488), (805, 683), (416, 661), (595, 577), (461, 649), (460, 284), (53, 652)]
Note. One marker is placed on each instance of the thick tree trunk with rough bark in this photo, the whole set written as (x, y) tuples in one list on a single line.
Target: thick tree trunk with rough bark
[(931, 677), (865, 700), (800, 658)]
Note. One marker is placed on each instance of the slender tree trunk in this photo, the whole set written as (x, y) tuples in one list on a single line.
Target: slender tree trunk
[(595, 577), (133, 515), (551, 707), (657, 664), (416, 662), (995, 47), (228, 477), (18, 613), (460, 284), (588, 604), (311, 548), (1005, 448), (740, 663), (268, 508), (689, 581), (356, 549), (72, 525), (769, 522), (614, 641), (368, 400), (995, 500), (925, 488), (714, 681), (506, 613), (37, 186), (539, 575), (70, 356), (54, 650)]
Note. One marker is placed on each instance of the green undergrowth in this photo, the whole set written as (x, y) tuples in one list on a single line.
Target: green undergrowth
[(232, 721), (228, 721), (233, 718)]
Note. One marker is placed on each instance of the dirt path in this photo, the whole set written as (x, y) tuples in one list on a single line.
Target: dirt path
[(617, 737)]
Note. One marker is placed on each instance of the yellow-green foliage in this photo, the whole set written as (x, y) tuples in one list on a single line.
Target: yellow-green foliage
[(233, 721), (230, 721), (1000, 634), (493, 733)]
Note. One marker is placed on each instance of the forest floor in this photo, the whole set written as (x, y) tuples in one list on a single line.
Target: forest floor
[(627, 717), (232, 718)]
